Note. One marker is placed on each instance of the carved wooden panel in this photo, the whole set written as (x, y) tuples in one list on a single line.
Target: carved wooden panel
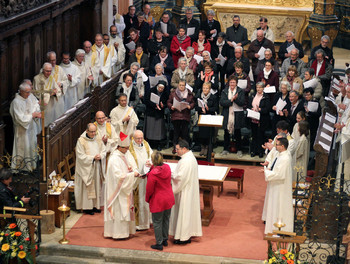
[(26, 57), (75, 32), (4, 59), (37, 48), (16, 75), (66, 141), (54, 153), (48, 36), (66, 31), (58, 37)]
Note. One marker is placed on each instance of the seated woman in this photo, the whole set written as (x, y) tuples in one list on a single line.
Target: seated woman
[(278, 115), (181, 118), (245, 80), (302, 151), (208, 75), (232, 101), (202, 44), (220, 47), (292, 76), (130, 90), (191, 62), (154, 127), (140, 57), (165, 59), (259, 102), (313, 117), (182, 73), (210, 107), (206, 57), (136, 79), (269, 77), (179, 42)]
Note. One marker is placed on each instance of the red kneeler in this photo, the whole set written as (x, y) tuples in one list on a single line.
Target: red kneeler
[(236, 175)]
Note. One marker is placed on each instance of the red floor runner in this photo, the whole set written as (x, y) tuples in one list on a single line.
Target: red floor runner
[(236, 230)]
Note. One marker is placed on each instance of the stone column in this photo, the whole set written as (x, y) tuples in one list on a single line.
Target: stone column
[(323, 21), (179, 10)]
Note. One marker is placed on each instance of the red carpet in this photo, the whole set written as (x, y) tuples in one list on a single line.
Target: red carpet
[(236, 230)]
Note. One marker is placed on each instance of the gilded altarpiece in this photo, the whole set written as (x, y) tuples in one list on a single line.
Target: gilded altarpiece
[(283, 15)]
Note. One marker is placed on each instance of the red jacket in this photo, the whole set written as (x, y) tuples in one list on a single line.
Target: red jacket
[(206, 45), (175, 45), (159, 193)]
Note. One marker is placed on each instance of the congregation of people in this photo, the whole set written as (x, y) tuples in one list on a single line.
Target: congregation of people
[(183, 72)]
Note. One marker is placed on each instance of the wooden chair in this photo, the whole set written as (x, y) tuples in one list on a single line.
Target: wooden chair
[(62, 170), (70, 161), (236, 175)]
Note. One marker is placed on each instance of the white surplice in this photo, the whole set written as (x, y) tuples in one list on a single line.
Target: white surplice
[(185, 218), (71, 95), (59, 76), (117, 115), (302, 153), (84, 84), (89, 175), (278, 203), (25, 131), (117, 65), (141, 157), (101, 57), (53, 107), (119, 213), (107, 130)]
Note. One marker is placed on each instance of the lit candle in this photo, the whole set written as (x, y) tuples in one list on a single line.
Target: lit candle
[(64, 206)]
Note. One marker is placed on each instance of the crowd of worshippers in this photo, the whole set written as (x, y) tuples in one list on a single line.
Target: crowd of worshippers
[(195, 69)]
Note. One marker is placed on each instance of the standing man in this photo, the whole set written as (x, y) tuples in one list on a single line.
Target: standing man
[(238, 57), (89, 172), (141, 152), (105, 131), (325, 40), (121, 179), (117, 42), (323, 70), (211, 27), (130, 20), (185, 218), (86, 75), (24, 111), (283, 53), (293, 60), (278, 206), (264, 27), (73, 75), (191, 22), (118, 21), (236, 35), (45, 80), (166, 23), (123, 117)]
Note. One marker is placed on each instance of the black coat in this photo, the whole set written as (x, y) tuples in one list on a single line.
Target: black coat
[(292, 118), (154, 46), (169, 65), (283, 50), (327, 51), (8, 198), (144, 30), (214, 83), (264, 112), (212, 103), (200, 67), (194, 23), (151, 108), (172, 31), (144, 61), (206, 27), (129, 23), (226, 103), (230, 69), (215, 51)]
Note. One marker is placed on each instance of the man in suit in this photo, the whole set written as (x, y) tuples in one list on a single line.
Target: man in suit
[(191, 22), (236, 35), (295, 107), (211, 27)]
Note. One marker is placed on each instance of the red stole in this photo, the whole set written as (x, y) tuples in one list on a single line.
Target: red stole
[(322, 70)]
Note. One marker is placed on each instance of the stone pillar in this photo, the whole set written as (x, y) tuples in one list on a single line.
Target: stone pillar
[(342, 10), (323, 21), (107, 18), (179, 10)]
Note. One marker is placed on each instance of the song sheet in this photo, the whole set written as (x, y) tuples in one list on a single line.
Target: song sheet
[(221, 61), (252, 114), (296, 86), (270, 89), (190, 31), (280, 105), (290, 48), (312, 106), (242, 84), (198, 58), (155, 98), (216, 120), (310, 83), (261, 53), (131, 45), (179, 105), (201, 103), (189, 87), (164, 27)]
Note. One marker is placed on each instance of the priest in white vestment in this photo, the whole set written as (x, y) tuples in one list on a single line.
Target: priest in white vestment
[(102, 57), (278, 205), (185, 218), (61, 80), (105, 131), (117, 43), (73, 75), (89, 175), (121, 179), (141, 152), (25, 111), (123, 117), (85, 74), (45, 81), (118, 21)]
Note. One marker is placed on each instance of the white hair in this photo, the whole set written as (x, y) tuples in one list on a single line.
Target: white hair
[(267, 50), (23, 86), (190, 48), (210, 12), (286, 84), (46, 64), (50, 53), (182, 59), (325, 37), (239, 48), (135, 64), (79, 51), (290, 33)]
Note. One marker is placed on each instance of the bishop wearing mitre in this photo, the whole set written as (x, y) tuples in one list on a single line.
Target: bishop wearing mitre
[(121, 179), (123, 117), (89, 175)]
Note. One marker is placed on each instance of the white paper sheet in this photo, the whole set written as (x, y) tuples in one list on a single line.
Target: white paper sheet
[(164, 27), (242, 84), (198, 58), (213, 91), (153, 80), (143, 75), (325, 146), (261, 53), (327, 127), (290, 48), (335, 80), (221, 61), (216, 120), (182, 51), (312, 106), (189, 87), (215, 33), (325, 136), (190, 31), (155, 98), (270, 89), (310, 83), (252, 114), (131, 45), (234, 44), (296, 86), (280, 105), (330, 118), (179, 105), (201, 103)]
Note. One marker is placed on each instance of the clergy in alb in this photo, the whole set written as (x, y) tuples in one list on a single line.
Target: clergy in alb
[(105, 131), (73, 75), (86, 74), (45, 81), (141, 152), (278, 205), (121, 179), (89, 176), (24, 111), (116, 42), (185, 218), (123, 117)]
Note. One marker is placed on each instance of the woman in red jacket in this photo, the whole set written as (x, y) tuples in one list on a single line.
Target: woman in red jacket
[(160, 196), (178, 43), (202, 44)]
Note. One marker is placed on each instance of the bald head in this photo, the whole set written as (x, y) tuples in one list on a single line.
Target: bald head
[(138, 137), (260, 35), (91, 130), (87, 46), (100, 117), (47, 69)]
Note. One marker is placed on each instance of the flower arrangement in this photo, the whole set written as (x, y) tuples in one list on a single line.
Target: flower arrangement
[(282, 256), (14, 245)]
